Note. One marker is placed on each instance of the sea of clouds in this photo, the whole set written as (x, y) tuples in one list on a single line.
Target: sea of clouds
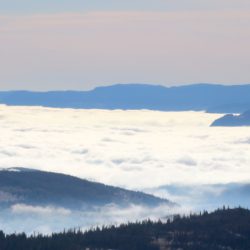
[(141, 150), (132, 149)]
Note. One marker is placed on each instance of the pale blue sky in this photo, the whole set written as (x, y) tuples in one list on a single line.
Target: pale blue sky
[(48, 6), (76, 44)]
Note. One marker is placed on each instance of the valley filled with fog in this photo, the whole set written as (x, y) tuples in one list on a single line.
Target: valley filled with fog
[(132, 149), (174, 155)]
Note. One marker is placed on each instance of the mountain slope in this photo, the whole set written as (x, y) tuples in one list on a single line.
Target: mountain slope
[(209, 97), (231, 120), (45, 188)]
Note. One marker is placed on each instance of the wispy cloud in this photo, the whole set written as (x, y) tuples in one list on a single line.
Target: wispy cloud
[(39, 210), (27, 218)]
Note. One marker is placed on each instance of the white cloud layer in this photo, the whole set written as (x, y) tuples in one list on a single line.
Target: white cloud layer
[(132, 149)]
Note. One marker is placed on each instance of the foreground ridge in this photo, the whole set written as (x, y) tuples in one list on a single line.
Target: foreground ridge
[(221, 229)]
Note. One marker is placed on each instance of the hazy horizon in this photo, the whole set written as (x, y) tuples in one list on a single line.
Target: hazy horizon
[(74, 45), (117, 84)]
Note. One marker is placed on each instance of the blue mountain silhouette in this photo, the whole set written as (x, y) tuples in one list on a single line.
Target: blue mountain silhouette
[(231, 120), (209, 97)]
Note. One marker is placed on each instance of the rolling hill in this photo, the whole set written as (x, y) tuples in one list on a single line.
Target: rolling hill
[(40, 188)]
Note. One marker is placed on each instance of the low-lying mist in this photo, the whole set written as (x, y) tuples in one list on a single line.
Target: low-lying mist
[(48, 219)]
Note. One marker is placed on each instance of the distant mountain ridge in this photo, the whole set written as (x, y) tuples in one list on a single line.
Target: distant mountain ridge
[(209, 196), (209, 97), (41, 188)]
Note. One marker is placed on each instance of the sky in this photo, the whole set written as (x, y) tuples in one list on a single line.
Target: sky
[(73, 44)]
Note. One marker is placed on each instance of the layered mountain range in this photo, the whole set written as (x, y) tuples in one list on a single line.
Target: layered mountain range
[(198, 97)]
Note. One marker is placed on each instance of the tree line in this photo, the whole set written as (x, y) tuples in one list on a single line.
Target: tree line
[(222, 229)]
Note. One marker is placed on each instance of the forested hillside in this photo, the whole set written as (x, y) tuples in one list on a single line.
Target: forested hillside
[(222, 229), (20, 185)]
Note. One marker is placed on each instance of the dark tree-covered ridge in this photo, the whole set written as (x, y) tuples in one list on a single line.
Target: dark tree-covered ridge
[(222, 229)]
